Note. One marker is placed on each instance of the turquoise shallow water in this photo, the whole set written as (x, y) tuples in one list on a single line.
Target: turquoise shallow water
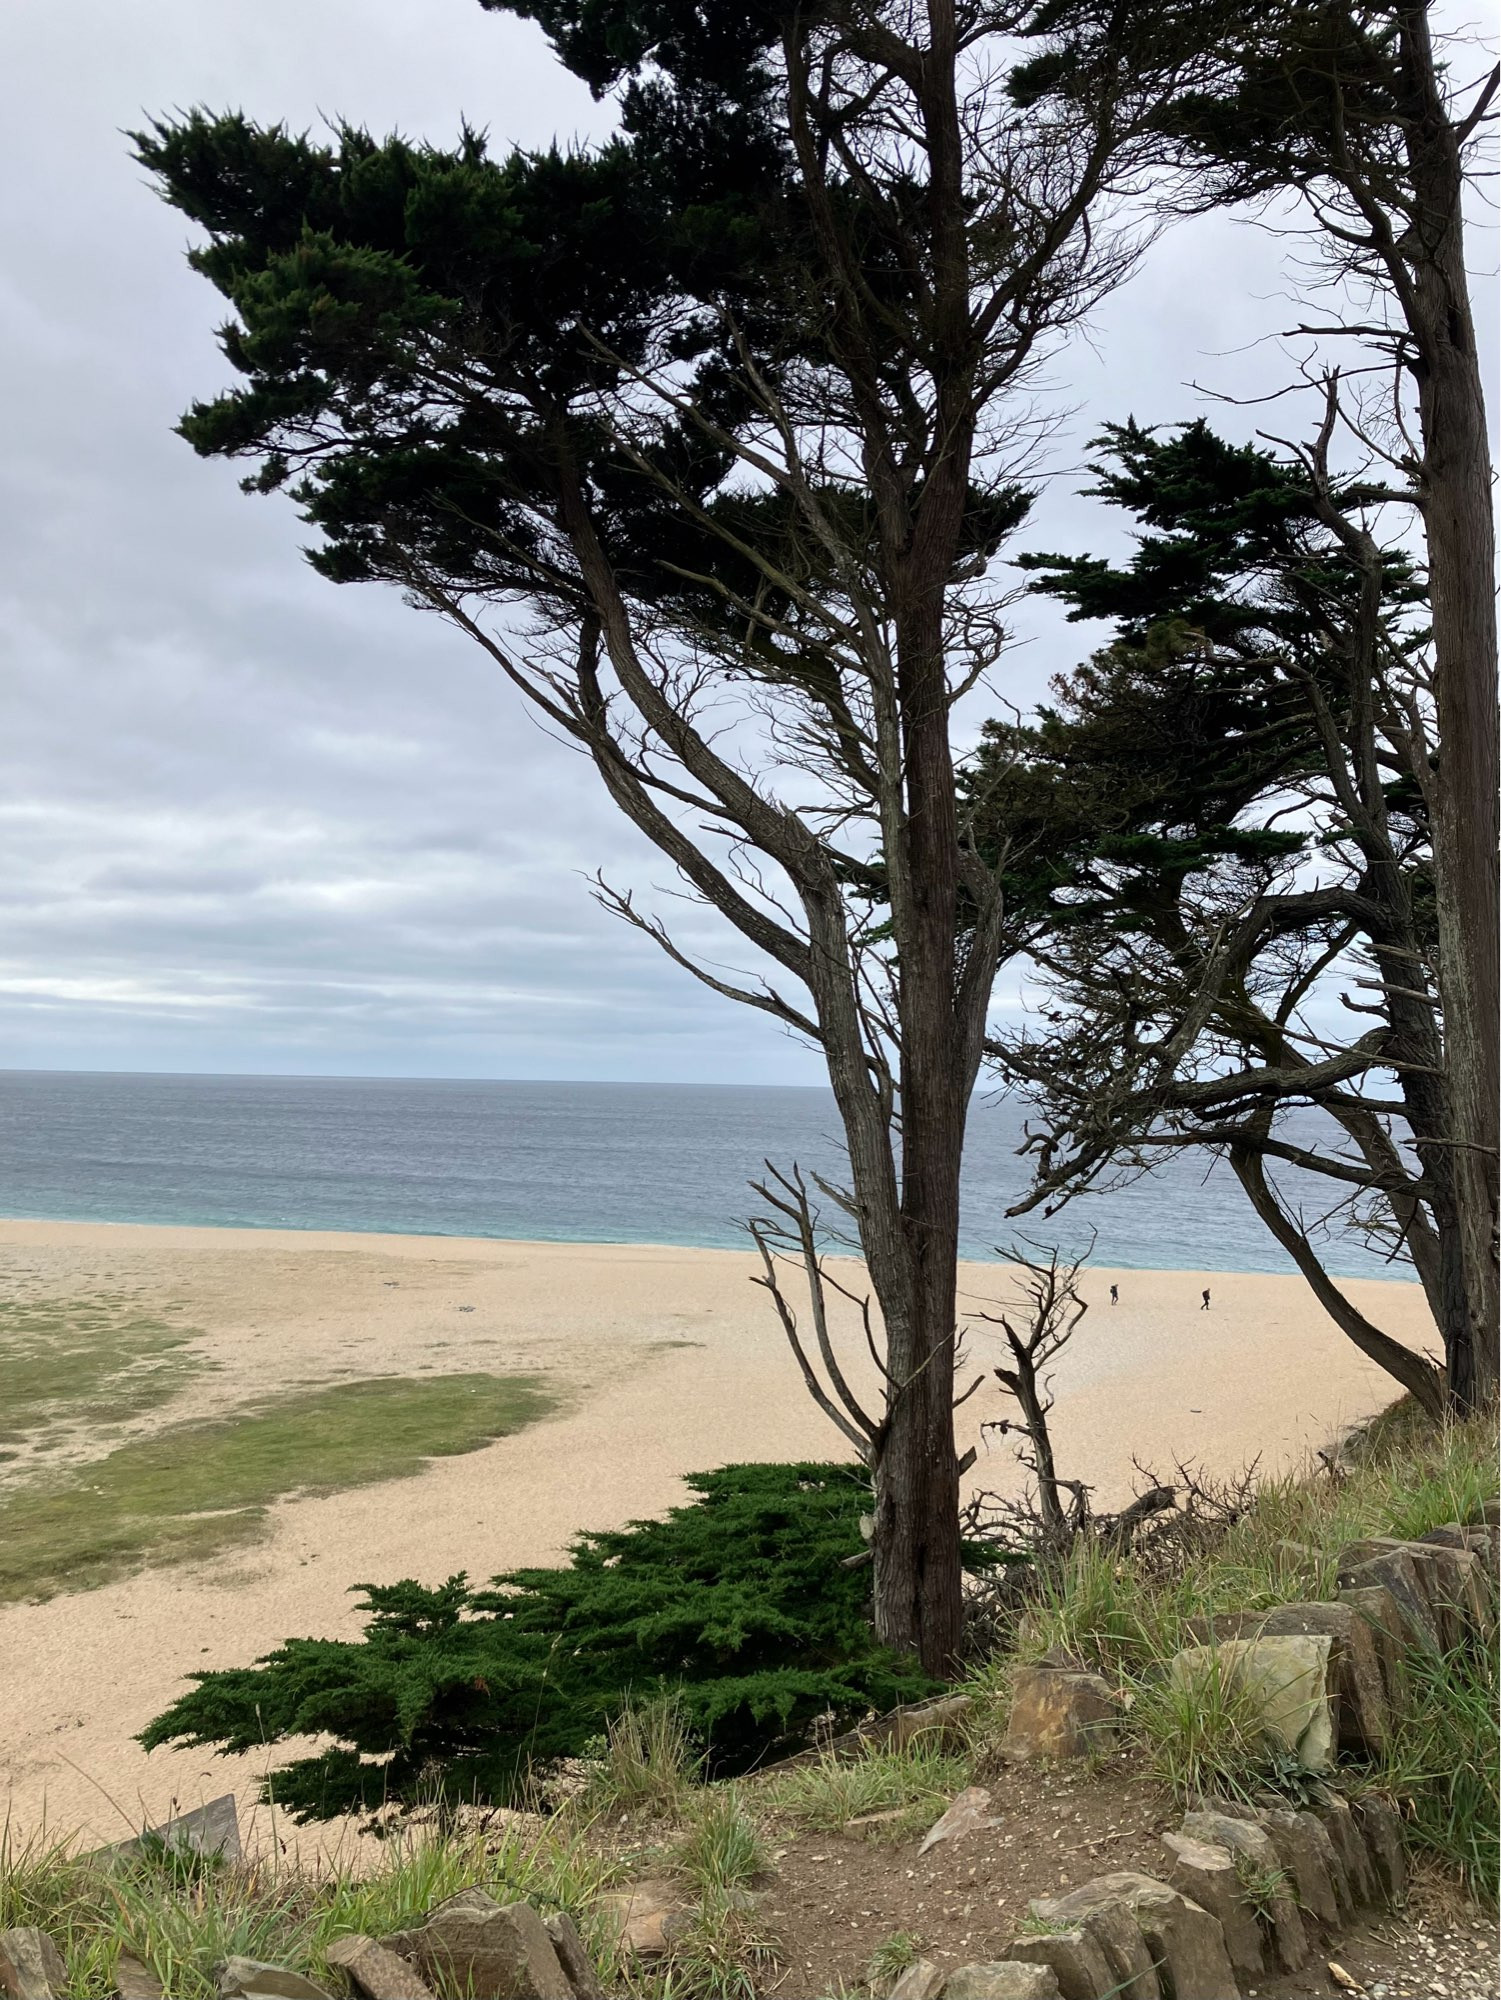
[(571, 1162)]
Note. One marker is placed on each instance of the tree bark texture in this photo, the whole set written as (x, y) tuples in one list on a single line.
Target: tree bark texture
[(1456, 479)]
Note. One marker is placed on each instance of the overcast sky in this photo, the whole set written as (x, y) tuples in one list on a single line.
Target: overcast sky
[(252, 822)]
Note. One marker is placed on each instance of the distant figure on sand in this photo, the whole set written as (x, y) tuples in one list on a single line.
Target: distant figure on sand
[(1205, 1307), (1115, 1295)]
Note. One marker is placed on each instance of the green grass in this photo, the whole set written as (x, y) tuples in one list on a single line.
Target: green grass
[(1403, 1478), (1112, 1613), (723, 1847), (1443, 1763), (890, 1959), (197, 1489), (914, 1784), (183, 1916), (97, 1358), (646, 1760)]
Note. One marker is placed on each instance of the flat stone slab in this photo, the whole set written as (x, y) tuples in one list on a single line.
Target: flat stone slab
[(134, 1979), (574, 1958), (254, 1979), (209, 1830), (1206, 1873), (922, 1980), (1364, 1714), (1101, 1908), (472, 1944), (1076, 1959), (969, 1812)]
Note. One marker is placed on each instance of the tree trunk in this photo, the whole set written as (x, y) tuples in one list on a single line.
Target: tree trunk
[(1422, 1380), (1460, 536)]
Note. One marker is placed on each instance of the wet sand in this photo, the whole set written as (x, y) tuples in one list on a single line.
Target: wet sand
[(665, 1361)]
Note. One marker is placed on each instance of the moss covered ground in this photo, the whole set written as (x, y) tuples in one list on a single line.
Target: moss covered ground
[(195, 1490)]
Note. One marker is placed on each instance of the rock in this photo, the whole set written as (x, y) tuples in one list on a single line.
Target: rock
[(937, 1722), (472, 1944), (1207, 1875), (923, 1980), (1075, 1958), (1277, 1909), (252, 1979), (1364, 1717), (1309, 1858), (375, 1970), (1349, 1845), (212, 1829), (1059, 1712), (1107, 1917), (1379, 1611), (1451, 1536), (1002, 1979), (1487, 1515), (969, 1812), (643, 1916), (1290, 1679), (1382, 1829), (1186, 1943), (1393, 1566), (1298, 1562), (574, 1958), (135, 1980), (31, 1966), (1462, 1589)]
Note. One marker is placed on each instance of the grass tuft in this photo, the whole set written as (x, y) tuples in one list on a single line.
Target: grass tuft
[(890, 1959), (723, 1847), (913, 1784), (647, 1760)]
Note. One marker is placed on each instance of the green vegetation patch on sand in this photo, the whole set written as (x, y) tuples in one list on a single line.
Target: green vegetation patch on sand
[(196, 1489), (96, 1356)]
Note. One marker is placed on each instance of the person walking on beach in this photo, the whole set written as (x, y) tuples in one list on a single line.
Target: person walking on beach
[(1115, 1295), (1205, 1307)]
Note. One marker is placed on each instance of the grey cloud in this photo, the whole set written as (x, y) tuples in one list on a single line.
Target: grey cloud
[(248, 821)]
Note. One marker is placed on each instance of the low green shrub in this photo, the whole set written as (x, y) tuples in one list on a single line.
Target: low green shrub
[(737, 1605)]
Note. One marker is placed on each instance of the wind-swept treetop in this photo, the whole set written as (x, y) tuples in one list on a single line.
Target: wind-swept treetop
[(708, 436)]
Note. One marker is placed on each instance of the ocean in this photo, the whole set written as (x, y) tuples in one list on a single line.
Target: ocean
[(560, 1162)]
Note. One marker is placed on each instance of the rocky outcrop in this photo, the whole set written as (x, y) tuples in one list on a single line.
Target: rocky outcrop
[(135, 1980), (1008, 1979), (1206, 1873), (643, 1916), (1264, 1883), (1076, 1958)]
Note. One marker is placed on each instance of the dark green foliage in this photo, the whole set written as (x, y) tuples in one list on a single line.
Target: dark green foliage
[(739, 1603), (428, 340), (1170, 752)]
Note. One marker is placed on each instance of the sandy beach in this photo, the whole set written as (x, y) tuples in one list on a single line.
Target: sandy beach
[(663, 1361)]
